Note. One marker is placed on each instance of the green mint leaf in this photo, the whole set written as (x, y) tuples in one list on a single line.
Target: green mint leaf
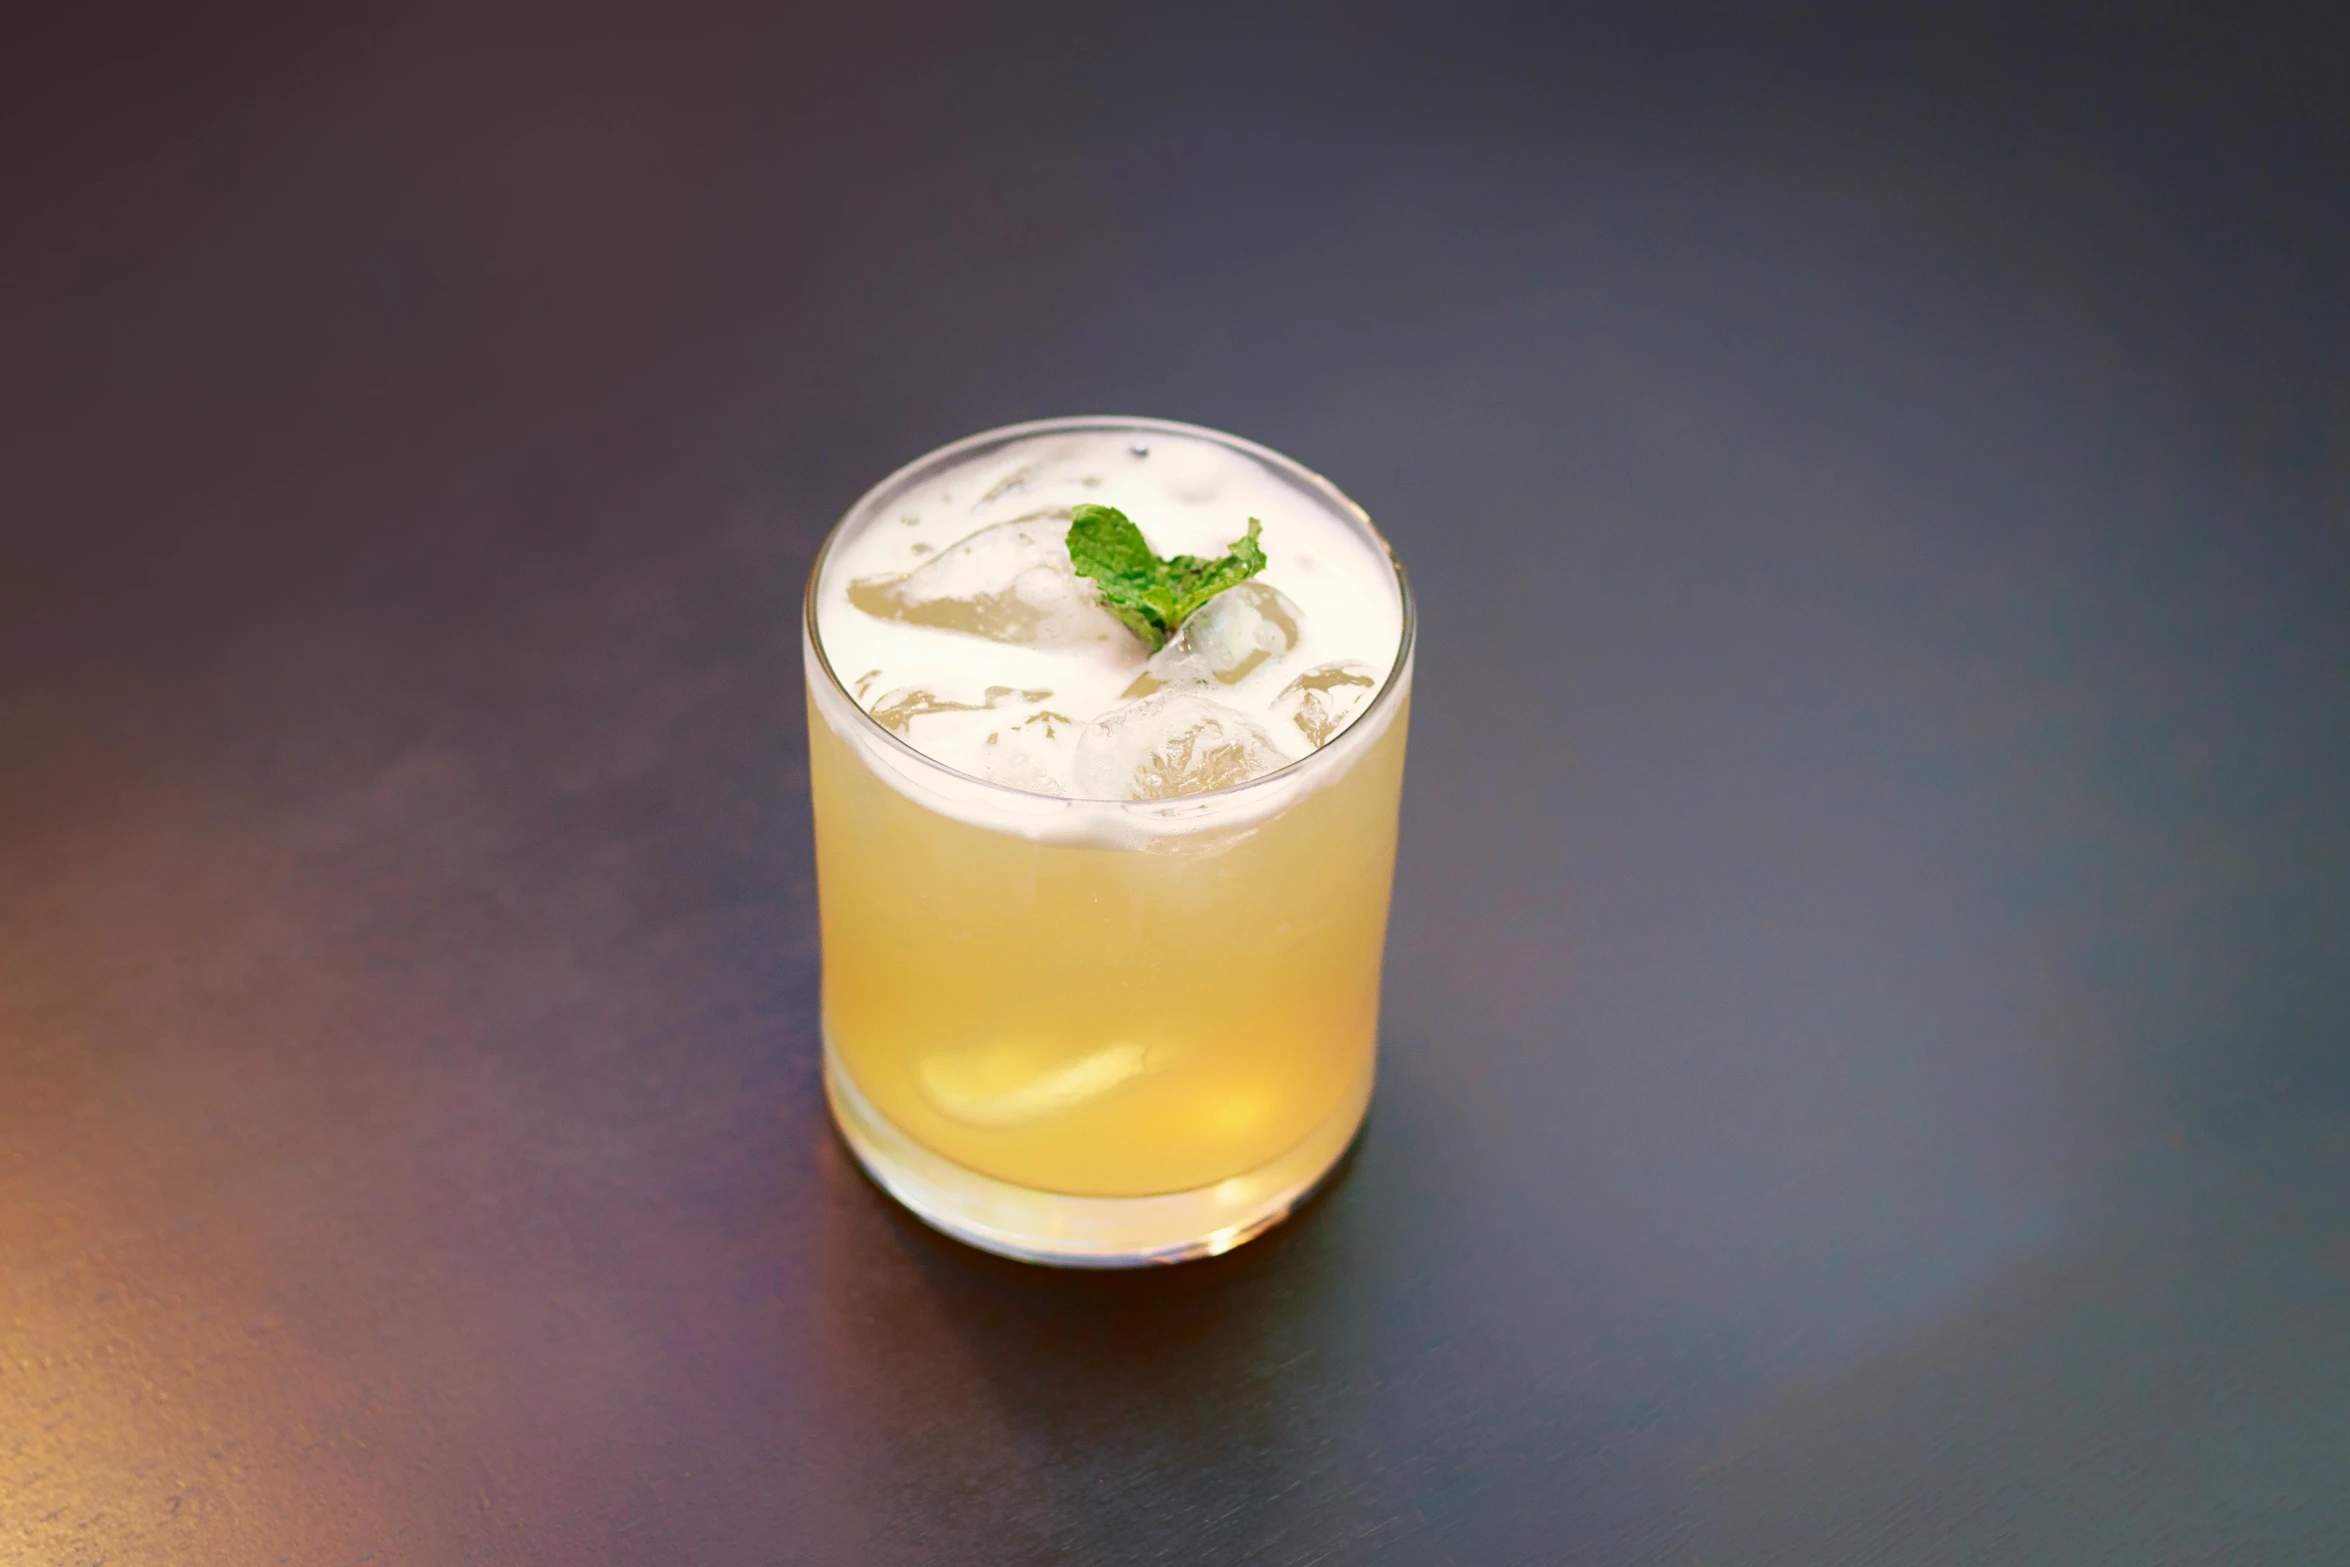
[(1152, 597), (1106, 546), (1196, 581)]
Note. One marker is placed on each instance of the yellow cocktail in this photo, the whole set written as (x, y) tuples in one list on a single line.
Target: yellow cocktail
[(1102, 927)]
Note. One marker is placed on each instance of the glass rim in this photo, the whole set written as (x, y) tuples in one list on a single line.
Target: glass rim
[(1297, 472)]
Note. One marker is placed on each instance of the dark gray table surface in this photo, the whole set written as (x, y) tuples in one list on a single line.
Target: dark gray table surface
[(1866, 1069)]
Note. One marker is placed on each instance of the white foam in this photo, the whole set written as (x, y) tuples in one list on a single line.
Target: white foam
[(1191, 493)]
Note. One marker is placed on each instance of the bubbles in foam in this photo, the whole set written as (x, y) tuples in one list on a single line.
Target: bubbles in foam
[(1037, 753), (992, 656)]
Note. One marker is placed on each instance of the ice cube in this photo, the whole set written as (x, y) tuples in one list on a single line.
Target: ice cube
[(898, 709), (1010, 1083), (1037, 753), (1173, 743), (1325, 699), (1224, 642), (1009, 583)]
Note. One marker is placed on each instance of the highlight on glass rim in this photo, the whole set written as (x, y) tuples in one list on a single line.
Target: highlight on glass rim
[(1107, 721)]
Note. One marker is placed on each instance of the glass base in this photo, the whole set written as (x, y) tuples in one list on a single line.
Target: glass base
[(1086, 1232)]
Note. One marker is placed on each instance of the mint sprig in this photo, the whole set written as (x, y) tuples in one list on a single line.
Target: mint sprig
[(1153, 597)]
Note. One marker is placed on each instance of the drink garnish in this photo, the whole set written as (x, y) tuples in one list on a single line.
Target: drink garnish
[(1150, 596)]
